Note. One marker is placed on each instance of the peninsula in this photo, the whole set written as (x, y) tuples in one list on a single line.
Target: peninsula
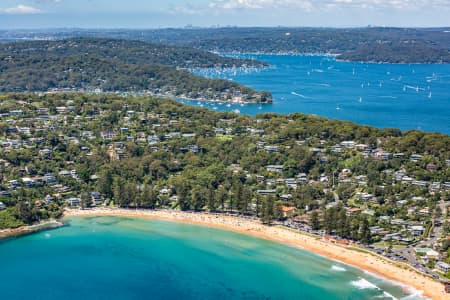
[(120, 66), (365, 44)]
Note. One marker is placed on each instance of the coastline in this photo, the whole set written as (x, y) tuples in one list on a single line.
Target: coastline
[(24, 230), (362, 260)]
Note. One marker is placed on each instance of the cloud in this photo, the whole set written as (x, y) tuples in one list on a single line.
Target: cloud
[(187, 9), (20, 10), (261, 4), (309, 5), (48, 1)]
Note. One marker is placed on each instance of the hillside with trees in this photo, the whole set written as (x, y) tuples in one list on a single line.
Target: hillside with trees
[(117, 66), (326, 176), (377, 44)]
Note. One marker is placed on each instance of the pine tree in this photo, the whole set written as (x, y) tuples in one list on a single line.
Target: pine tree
[(341, 223), (365, 236), (315, 223), (221, 196), (268, 210), (86, 200)]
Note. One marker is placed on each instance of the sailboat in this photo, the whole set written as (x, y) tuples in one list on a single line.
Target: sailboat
[(360, 99)]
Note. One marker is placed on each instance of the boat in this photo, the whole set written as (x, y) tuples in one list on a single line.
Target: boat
[(429, 95)]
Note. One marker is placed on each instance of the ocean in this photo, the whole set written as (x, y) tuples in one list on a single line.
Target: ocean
[(415, 96), (123, 258)]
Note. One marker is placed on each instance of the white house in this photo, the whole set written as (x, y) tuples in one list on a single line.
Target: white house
[(442, 266), (274, 168), (73, 201)]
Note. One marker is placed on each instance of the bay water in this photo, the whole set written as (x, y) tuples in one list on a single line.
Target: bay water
[(405, 96), (124, 258)]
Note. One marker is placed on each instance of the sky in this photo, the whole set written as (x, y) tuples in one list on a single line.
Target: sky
[(37, 14)]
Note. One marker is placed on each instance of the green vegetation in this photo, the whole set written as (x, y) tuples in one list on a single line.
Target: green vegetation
[(126, 52), (104, 65), (378, 44), (8, 220), (334, 176)]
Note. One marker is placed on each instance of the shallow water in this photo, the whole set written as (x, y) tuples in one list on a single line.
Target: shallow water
[(381, 95), (122, 258)]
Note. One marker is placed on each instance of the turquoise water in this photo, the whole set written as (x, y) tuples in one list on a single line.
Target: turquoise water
[(381, 95), (121, 258)]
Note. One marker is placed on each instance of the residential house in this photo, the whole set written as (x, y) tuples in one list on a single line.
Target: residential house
[(271, 149), (73, 201), (97, 198), (28, 182), (275, 168), (288, 211), (415, 157), (442, 266), (266, 192), (416, 230), (348, 144)]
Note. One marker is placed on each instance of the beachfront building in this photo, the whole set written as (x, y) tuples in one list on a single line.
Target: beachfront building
[(73, 201), (288, 211), (97, 198), (427, 253), (442, 266)]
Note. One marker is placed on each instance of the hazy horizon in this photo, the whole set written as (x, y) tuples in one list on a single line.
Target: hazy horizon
[(137, 14)]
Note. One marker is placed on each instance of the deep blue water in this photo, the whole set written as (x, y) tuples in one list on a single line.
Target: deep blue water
[(120, 258), (381, 95)]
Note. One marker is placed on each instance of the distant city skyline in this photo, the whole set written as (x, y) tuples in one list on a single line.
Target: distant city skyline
[(34, 14)]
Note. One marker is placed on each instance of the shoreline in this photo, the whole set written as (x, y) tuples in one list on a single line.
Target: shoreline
[(361, 260), (25, 230)]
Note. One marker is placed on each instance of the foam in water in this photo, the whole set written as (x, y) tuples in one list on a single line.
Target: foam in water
[(414, 294), (387, 295), (299, 95), (338, 268), (363, 284)]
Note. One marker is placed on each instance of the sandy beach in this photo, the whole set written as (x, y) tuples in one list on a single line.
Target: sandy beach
[(371, 263)]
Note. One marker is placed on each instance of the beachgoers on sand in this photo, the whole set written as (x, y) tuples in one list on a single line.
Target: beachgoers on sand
[(342, 253)]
